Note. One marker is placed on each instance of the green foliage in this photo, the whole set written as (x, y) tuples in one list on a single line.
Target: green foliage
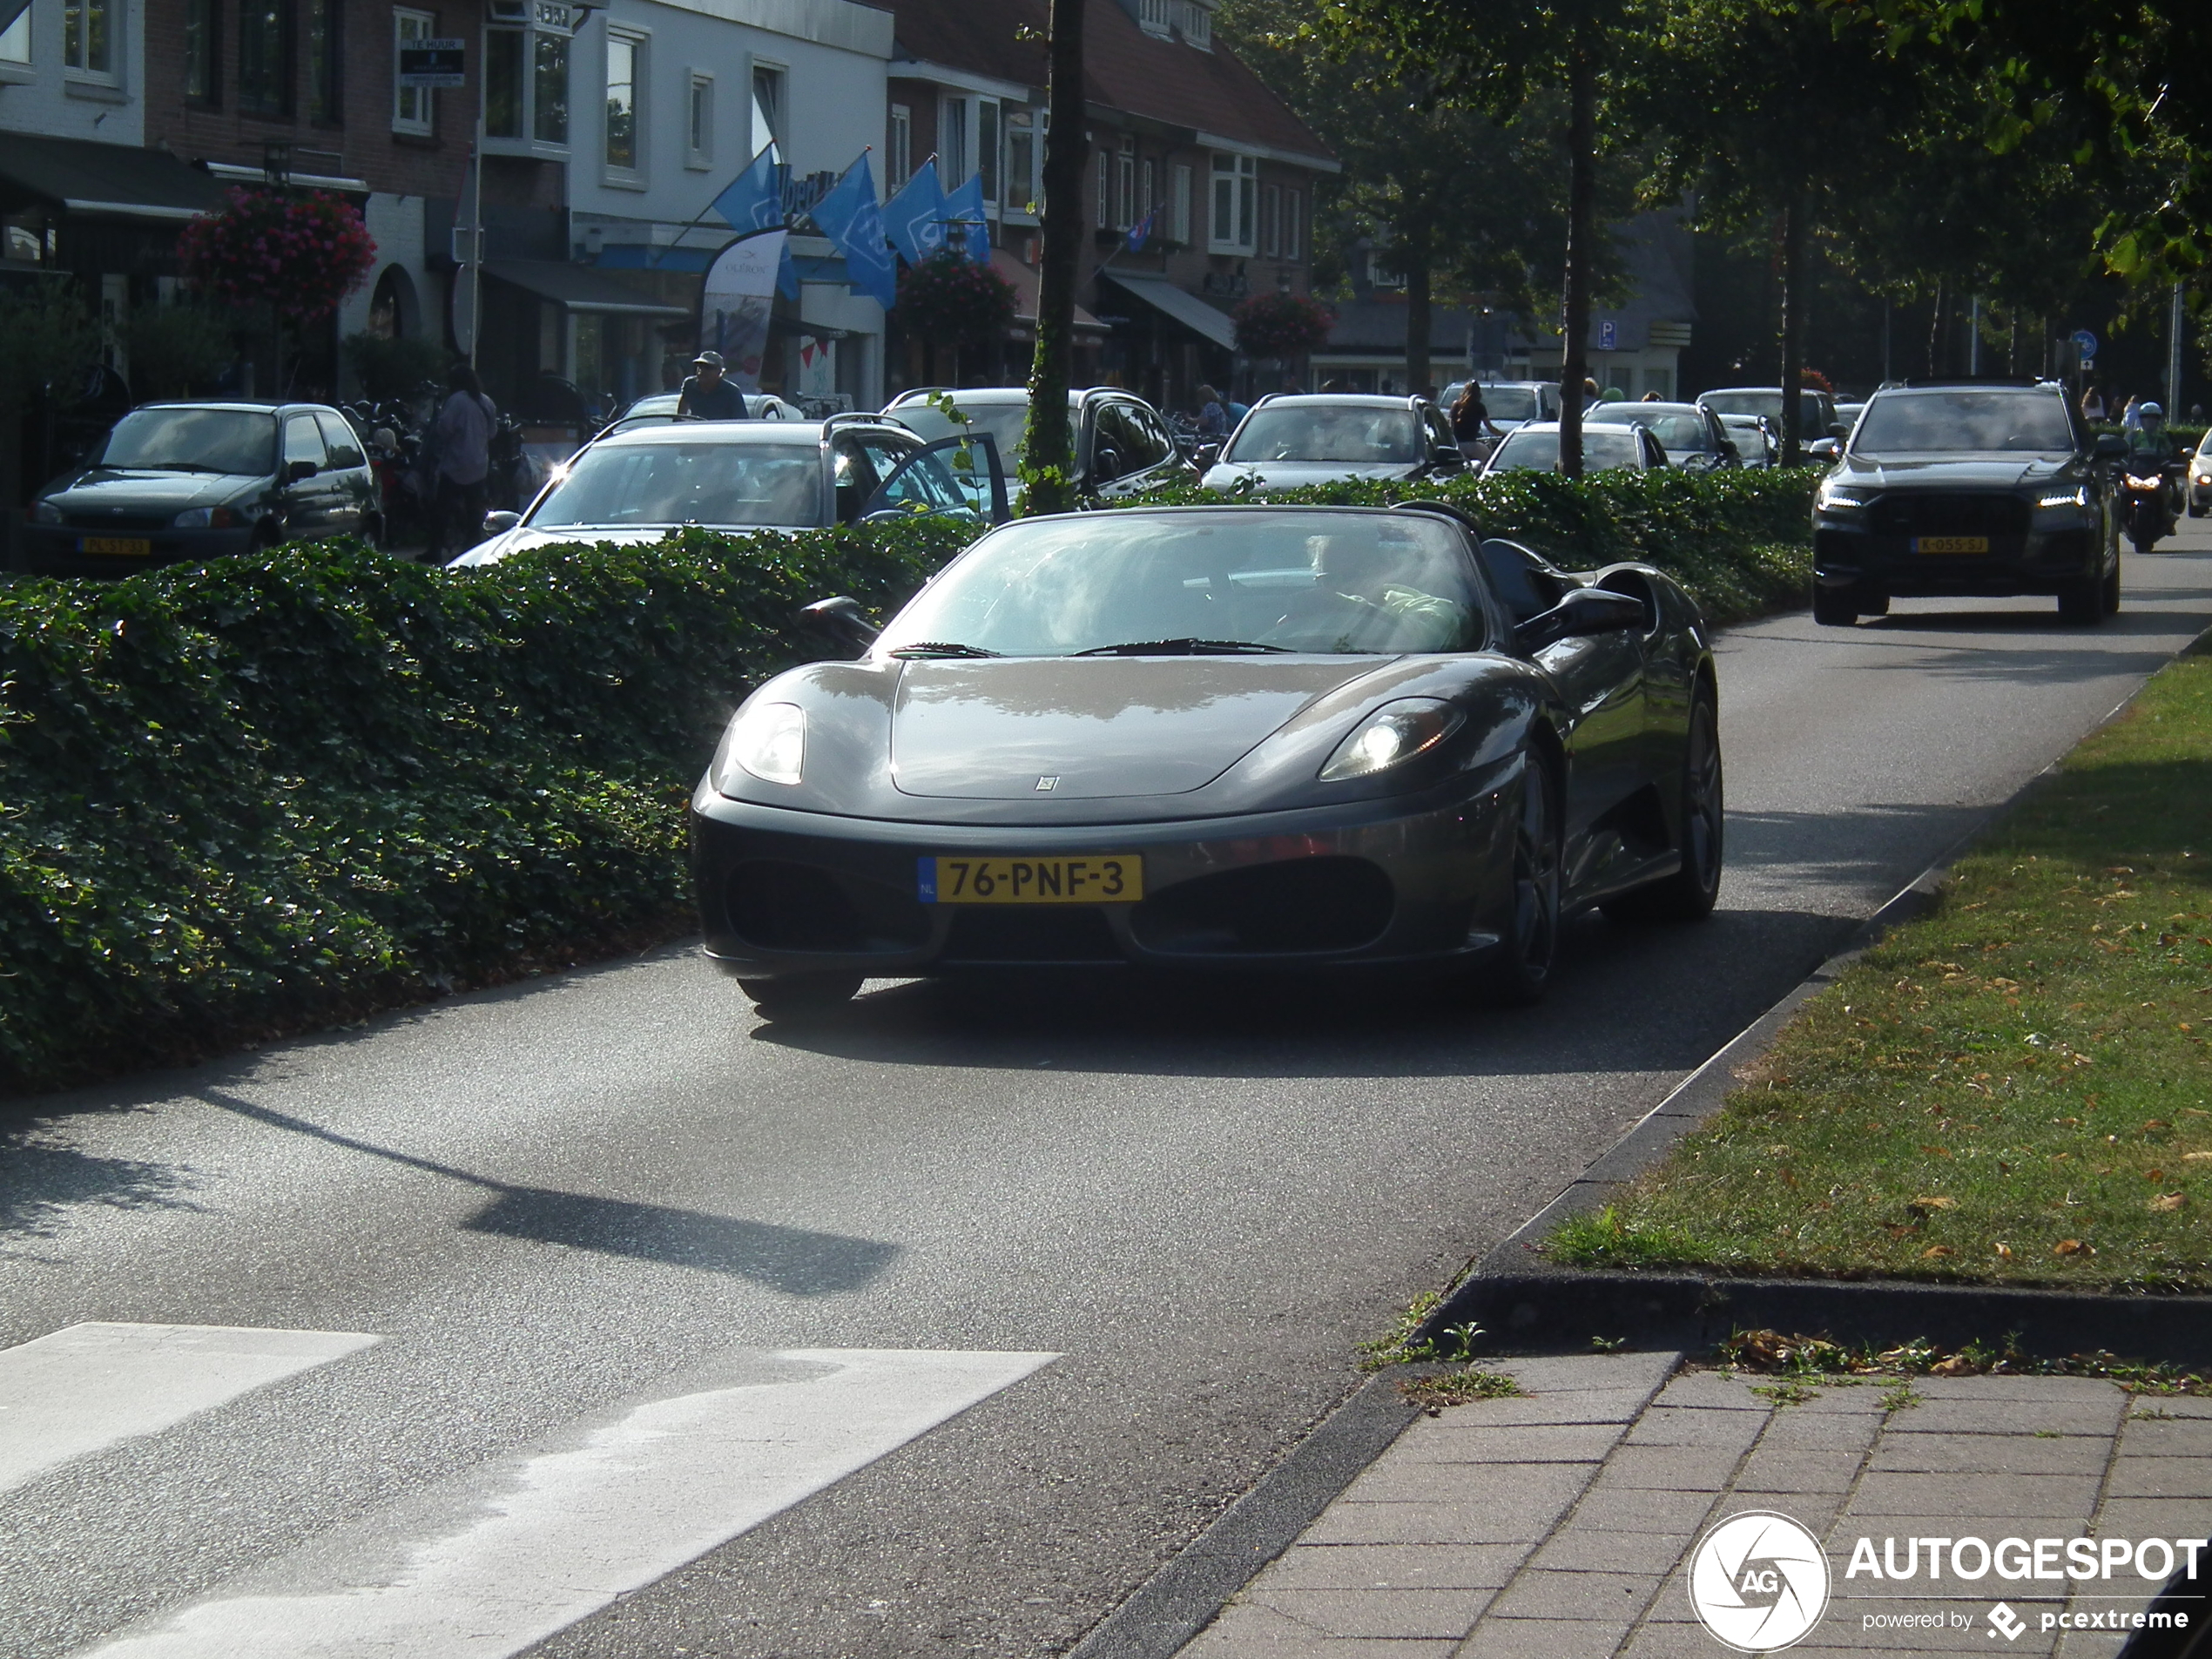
[(393, 365), (288, 788), (175, 350), (47, 339), (950, 298), (284, 789)]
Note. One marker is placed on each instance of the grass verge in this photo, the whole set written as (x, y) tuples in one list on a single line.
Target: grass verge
[(2015, 1090)]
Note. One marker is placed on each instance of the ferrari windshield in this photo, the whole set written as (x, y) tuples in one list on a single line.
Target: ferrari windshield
[(617, 485), (241, 442), (1964, 421), (1201, 581), (1308, 432)]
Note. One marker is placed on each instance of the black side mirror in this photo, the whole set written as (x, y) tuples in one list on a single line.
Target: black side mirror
[(1582, 613), (296, 470), (500, 523), (2110, 446), (842, 620)]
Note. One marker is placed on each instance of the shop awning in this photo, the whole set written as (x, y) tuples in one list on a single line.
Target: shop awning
[(1180, 304), (579, 287), (102, 180), (1025, 294)]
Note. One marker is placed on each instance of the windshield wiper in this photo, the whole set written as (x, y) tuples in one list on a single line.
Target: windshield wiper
[(1183, 648), (941, 648)]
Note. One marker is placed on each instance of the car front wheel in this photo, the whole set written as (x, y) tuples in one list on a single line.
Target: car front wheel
[(800, 994), (1523, 971)]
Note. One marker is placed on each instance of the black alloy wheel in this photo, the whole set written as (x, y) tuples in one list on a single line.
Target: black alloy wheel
[(1523, 969), (800, 994), (1690, 893)]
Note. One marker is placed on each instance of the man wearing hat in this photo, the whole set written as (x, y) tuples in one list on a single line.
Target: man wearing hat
[(707, 395)]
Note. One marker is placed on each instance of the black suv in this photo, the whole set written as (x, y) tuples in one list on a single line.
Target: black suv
[(1967, 487)]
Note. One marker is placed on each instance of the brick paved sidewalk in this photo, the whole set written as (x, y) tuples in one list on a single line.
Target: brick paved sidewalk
[(1556, 1526)]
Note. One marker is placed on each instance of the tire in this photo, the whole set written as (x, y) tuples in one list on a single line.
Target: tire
[(2140, 543), (1692, 892), (801, 994), (1522, 970), (1834, 607), (2082, 602), (2110, 594), (1872, 602)]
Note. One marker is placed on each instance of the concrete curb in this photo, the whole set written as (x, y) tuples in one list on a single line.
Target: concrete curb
[(1183, 1597), (1531, 1306)]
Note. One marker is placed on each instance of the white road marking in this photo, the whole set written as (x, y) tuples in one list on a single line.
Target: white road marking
[(544, 1539), (83, 1389)]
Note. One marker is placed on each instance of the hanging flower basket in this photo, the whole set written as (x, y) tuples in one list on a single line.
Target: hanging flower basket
[(298, 253), (950, 299), (1281, 325)]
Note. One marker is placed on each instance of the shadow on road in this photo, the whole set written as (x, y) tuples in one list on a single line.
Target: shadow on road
[(791, 1259), (39, 1180)]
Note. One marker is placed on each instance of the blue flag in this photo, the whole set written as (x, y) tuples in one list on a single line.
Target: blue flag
[(850, 218), (964, 207), (914, 218), (754, 200)]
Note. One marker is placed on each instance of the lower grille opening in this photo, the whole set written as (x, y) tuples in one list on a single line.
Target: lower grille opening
[(797, 906), (1030, 934), (1312, 904)]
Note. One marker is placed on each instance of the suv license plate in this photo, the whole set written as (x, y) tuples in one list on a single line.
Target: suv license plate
[(1097, 878), (1951, 545), (129, 547)]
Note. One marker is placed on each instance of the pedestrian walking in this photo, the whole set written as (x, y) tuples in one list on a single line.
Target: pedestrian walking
[(2092, 404), (2131, 418), (460, 436), (707, 395)]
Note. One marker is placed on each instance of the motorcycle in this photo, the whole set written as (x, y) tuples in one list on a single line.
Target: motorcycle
[(2148, 488)]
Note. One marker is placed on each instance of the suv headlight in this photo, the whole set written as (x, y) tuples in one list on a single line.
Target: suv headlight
[(1840, 498), (1395, 733), (45, 512), (204, 518), (767, 741), (2078, 495)]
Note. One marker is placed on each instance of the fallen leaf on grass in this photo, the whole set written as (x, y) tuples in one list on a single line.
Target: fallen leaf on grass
[(2072, 1247), (1933, 1251), (1937, 1151), (2166, 1203), (2152, 1125), (2196, 1158), (2005, 1253)]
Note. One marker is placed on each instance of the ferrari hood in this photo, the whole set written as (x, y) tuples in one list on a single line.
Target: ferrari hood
[(1090, 728)]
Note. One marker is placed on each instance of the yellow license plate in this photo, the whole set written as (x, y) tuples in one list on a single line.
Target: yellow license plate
[(129, 547), (1095, 878), (1951, 545)]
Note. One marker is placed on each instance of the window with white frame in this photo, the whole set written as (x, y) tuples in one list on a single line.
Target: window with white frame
[(898, 161), (15, 33), (768, 107), (625, 131), (1271, 222), (1020, 161), (988, 155), (1197, 25), (698, 121), (1179, 204), (1125, 186), (88, 38), (411, 106), (1152, 16), (1235, 205), (1105, 205), (953, 148), (1294, 211), (526, 72)]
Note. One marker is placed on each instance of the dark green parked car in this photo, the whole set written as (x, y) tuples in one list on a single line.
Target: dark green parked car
[(173, 483)]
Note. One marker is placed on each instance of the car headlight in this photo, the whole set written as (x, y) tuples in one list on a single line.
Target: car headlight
[(45, 512), (1839, 498), (1395, 733), (204, 518), (2077, 496), (767, 741)]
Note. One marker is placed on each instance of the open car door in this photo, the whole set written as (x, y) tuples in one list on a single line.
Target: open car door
[(960, 475)]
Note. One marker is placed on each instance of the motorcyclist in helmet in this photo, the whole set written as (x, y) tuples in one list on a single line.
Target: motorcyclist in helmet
[(2151, 445)]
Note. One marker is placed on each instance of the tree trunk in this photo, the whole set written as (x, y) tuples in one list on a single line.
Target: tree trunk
[(1049, 465), (1419, 286), (1939, 334), (1795, 211), (1582, 198)]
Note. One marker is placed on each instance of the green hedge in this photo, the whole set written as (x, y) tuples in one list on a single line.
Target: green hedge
[(286, 790)]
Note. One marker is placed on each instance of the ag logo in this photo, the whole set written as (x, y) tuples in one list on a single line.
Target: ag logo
[(1758, 1581)]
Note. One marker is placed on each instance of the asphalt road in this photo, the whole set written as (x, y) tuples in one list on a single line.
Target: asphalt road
[(553, 1204)]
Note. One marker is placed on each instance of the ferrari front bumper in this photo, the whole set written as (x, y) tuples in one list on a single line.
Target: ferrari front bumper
[(784, 893)]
